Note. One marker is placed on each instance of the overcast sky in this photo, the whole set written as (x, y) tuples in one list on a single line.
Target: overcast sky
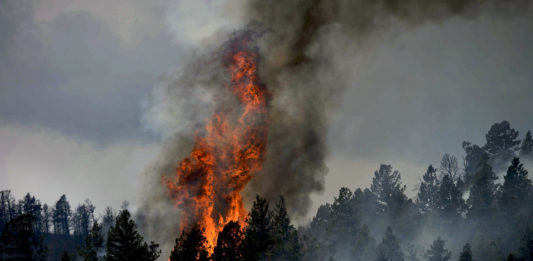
[(75, 77)]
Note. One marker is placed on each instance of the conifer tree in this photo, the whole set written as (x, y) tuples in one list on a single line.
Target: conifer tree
[(516, 189), (285, 244), (389, 248), (450, 199), (229, 243), (427, 198), (258, 238), (364, 245), (466, 254), (190, 246), (93, 242), (124, 243), (482, 192), (387, 186), (437, 252), (526, 148), (61, 217), (19, 241)]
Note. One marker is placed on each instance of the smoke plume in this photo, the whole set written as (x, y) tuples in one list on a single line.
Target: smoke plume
[(297, 43)]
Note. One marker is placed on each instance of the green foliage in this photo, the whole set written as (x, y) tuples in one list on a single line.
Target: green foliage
[(125, 243)]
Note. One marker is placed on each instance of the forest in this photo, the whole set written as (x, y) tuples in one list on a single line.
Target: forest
[(477, 208)]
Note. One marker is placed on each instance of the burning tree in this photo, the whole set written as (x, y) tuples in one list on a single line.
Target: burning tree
[(227, 153)]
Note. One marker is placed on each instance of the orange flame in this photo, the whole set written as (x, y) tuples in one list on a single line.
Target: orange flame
[(208, 183)]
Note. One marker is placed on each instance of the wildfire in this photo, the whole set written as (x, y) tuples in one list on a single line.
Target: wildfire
[(208, 182)]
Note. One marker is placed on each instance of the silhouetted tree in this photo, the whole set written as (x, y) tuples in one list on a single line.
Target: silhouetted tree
[(482, 192), (466, 254), (32, 206), (19, 241), (501, 137), (82, 218), (229, 243), (125, 243), (7, 207), (387, 186), (61, 216), (516, 189), (364, 247), (46, 219), (450, 199), (449, 166), (108, 220), (285, 244), (257, 238), (93, 243), (501, 144), (437, 252), (474, 160), (190, 246), (389, 248), (526, 148), (428, 193)]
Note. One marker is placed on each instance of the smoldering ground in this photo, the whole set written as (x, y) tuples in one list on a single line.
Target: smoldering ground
[(298, 43)]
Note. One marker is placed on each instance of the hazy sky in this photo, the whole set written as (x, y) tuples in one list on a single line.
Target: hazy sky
[(75, 77)]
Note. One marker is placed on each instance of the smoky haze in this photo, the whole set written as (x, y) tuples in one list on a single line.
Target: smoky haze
[(301, 44)]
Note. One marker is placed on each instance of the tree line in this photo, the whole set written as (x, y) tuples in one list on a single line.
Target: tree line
[(481, 209)]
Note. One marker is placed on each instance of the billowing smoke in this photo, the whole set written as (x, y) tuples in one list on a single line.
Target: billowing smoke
[(298, 42)]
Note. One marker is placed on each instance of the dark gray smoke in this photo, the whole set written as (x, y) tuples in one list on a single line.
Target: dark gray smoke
[(297, 50), (298, 41)]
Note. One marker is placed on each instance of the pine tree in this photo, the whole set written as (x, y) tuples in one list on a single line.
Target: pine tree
[(61, 216), (285, 245), (526, 149), (474, 160), (93, 242), (229, 243), (190, 246), (466, 254), (450, 201), (82, 218), (124, 243), (516, 188), (364, 247), (482, 193), (257, 238), (19, 241), (427, 197), (437, 252), (501, 137), (387, 186), (389, 248)]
